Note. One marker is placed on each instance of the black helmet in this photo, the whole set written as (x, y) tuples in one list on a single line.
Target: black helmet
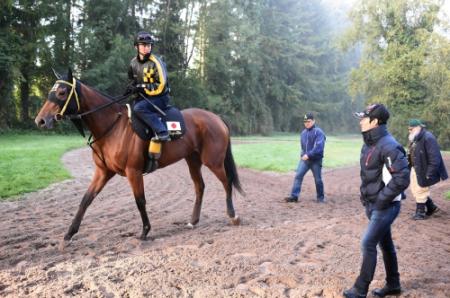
[(143, 37)]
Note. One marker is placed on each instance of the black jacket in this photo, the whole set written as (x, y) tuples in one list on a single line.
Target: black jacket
[(381, 149), (149, 75), (427, 159)]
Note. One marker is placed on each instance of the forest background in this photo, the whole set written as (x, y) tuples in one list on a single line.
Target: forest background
[(259, 64)]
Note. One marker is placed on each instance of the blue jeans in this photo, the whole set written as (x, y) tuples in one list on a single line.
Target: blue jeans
[(150, 115), (303, 166), (379, 232)]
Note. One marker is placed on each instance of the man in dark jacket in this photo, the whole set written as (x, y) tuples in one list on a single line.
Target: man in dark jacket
[(427, 167), (312, 141), (384, 176)]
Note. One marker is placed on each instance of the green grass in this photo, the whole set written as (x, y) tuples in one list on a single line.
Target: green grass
[(281, 153), (31, 161), (447, 195)]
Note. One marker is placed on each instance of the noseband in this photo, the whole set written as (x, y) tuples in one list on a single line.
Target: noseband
[(63, 105)]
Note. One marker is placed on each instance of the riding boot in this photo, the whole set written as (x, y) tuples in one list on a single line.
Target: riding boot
[(353, 293), (431, 207), (387, 290), (152, 164), (154, 153), (420, 212)]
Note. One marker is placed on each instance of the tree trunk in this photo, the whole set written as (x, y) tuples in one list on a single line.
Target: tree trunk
[(24, 97)]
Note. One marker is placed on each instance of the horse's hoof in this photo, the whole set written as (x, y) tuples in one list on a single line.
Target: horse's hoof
[(143, 237), (190, 226), (236, 220), (63, 244)]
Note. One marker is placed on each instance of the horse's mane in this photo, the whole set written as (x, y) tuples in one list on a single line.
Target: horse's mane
[(110, 97)]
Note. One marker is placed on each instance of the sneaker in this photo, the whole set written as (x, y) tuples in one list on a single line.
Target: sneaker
[(321, 201), (163, 137), (291, 199)]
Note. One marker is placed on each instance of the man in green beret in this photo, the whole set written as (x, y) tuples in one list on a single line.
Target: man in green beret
[(427, 167)]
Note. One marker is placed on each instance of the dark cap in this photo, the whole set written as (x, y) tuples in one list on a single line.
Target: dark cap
[(415, 123), (377, 111), (308, 116)]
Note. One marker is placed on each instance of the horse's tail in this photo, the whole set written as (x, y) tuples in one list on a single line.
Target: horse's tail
[(230, 170)]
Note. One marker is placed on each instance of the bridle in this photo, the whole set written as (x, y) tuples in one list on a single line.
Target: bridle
[(73, 91), (77, 116), (63, 106)]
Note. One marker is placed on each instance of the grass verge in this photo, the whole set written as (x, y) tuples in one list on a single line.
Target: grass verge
[(31, 161), (281, 153)]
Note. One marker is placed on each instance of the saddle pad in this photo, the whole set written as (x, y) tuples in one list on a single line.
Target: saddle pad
[(173, 120)]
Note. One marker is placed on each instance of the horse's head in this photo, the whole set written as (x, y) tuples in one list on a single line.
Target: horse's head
[(61, 100)]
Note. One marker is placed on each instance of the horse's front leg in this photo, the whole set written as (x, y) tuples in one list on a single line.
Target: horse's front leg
[(137, 184), (101, 176)]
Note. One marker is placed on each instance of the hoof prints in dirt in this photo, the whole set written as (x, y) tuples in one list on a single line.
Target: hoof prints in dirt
[(281, 250)]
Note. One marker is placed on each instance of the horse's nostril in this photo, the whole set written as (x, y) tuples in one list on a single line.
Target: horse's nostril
[(42, 122)]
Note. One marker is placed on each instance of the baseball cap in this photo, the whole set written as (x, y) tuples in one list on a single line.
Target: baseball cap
[(415, 123), (308, 116), (377, 110)]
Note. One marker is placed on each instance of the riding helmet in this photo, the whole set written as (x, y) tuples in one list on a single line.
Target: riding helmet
[(143, 37)]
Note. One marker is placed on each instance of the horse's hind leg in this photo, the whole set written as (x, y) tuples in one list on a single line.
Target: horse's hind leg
[(101, 176), (220, 173), (195, 165)]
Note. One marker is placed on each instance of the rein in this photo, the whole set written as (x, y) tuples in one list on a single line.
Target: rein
[(90, 141), (73, 91), (61, 116)]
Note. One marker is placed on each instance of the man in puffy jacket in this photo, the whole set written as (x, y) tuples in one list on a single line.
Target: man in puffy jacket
[(427, 167), (384, 176), (312, 141)]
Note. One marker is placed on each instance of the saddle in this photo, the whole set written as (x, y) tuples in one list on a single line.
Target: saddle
[(173, 120)]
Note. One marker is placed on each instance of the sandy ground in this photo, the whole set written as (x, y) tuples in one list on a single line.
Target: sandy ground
[(280, 250)]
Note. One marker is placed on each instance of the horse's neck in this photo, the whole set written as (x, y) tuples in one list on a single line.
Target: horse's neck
[(100, 121)]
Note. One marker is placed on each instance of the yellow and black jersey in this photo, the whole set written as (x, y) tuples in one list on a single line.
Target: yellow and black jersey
[(150, 74)]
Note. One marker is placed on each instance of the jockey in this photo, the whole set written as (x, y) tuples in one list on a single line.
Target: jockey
[(148, 76)]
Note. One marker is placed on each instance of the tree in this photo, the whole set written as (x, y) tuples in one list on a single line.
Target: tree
[(7, 58), (396, 36)]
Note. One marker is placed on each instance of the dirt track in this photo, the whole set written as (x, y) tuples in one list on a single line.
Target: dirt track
[(280, 250)]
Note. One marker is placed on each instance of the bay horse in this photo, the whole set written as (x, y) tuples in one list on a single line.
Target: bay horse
[(118, 149)]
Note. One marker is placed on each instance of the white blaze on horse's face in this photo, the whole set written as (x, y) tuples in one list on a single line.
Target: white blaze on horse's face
[(60, 90), (45, 117), (54, 87)]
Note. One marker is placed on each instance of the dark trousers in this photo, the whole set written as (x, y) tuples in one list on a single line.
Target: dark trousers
[(379, 232), (146, 111), (316, 168)]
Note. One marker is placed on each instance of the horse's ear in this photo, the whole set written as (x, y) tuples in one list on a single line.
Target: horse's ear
[(57, 75), (69, 75)]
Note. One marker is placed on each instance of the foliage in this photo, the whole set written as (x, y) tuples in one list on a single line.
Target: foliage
[(404, 63), (259, 64)]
